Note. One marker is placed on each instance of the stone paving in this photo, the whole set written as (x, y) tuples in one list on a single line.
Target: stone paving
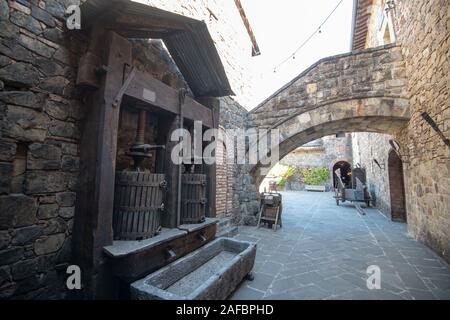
[(323, 251)]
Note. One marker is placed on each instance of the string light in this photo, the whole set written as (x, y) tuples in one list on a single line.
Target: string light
[(317, 30)]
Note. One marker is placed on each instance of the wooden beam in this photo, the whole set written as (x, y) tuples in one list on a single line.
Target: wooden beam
[(165, 128), (152, 91), (93, 219), (133, 21)]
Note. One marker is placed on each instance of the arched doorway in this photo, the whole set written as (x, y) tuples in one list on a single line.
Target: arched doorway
[(345, 170), (397, 187)]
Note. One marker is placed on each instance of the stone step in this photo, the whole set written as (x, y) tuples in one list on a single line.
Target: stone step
[(228, 232)]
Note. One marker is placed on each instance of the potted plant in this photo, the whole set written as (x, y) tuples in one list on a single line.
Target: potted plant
[(314, 178)]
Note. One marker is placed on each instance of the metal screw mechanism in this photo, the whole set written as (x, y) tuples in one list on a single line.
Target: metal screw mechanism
[(139, 151)]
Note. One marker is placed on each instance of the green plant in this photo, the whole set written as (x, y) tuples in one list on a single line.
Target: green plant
[(289, 172), (285, 176), (315, 176), (282, 182)]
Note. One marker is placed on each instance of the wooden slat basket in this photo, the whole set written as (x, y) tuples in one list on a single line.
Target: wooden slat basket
[(193, 198), (138, 205)]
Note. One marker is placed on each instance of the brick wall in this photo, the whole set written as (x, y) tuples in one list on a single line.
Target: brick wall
[(240, 199)]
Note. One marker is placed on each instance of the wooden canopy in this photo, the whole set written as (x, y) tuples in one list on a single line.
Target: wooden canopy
[(188, 40)]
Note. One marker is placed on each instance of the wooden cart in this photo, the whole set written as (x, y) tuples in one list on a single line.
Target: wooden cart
[(271, 209), (358, 192)]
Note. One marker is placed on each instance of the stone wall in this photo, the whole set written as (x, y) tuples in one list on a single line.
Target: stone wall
[(39, 155), (324, 152), (370, 73), (422, 30), (368, 147)]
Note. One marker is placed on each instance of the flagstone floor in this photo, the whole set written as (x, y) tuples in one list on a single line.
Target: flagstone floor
[(323, 251)]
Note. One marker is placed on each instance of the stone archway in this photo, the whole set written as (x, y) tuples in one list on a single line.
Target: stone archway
[(382, 115), (396, 187), (345, 168), (362, 91)]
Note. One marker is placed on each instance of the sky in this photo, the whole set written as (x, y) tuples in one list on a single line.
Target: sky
[(280, 28)]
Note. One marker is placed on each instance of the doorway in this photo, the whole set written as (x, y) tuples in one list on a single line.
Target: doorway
[(345, 170), (397, 187)]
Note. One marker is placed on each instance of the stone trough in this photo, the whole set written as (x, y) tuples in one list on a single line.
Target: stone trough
[(212, 272)]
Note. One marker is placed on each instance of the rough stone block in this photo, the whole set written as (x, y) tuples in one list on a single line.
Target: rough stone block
[(5, 239), (25, 124), (67, 212), (47, 211), (10, 255), (66, 199), (5, 276), (36, 46), (56, 85), (23, 98), (12, 49), (53, 226), (20, 74), (57, 110), (64, 129), (45, 182), (17, 211), (7, 151), (4, 10), (23, 269), (49, 244), (26, 21), (69, 149), (70, 163), (43, 157), (43, 16), (6, 170), (25, 235)]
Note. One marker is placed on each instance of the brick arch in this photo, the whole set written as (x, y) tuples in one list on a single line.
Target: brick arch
[(382, 115)]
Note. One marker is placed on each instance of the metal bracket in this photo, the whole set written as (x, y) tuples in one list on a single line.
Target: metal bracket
[(118, 98), (182, 96)]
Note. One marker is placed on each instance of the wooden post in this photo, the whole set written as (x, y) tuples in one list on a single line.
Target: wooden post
[(165, 128), (214, 105), (93, 219)]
